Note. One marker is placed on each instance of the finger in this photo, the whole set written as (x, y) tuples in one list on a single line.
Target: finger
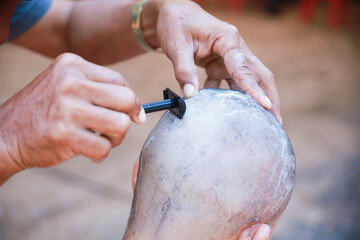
[(107, 122), (102, 74), (135, 173), (232, 84), (89, 70), (186, 72), (239, 70), (90, 145), (212, 83), (115, 141), (114, 97), (117, 98), (267, 83), (217, 70)]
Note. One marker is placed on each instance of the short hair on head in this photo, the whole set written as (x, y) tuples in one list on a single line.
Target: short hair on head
[(227, 164)]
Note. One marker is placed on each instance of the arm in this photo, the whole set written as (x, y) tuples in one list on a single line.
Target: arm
[(100, 32), (74, 107)]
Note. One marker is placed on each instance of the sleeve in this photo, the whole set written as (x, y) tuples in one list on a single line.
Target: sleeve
[(27, 14)]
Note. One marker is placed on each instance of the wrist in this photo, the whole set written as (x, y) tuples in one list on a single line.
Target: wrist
[(8, 164), (149, 18), (8, 168)]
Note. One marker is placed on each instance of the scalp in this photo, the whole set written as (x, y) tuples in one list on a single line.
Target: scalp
[(227, 163)]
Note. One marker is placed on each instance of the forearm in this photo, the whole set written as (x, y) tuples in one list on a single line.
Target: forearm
[(99, 31)]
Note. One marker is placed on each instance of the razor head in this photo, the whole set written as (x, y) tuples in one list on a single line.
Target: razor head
[(178, 103)]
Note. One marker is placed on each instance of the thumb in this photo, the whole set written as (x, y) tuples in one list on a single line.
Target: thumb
[(186, 72)]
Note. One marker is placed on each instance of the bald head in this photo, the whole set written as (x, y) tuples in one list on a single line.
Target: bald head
[(226, 165)]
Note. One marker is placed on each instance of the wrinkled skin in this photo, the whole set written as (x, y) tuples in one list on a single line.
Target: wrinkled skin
[(225, 167), (33, 134)]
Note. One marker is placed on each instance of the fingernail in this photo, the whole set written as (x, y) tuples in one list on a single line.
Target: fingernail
[(189, 90), (268, 102), (280, 120), (142, 116)]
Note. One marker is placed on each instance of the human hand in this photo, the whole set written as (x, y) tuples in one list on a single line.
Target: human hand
[(190, 36), (73, 107)]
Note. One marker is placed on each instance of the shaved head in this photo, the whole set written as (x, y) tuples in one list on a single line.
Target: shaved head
[(226, 165)]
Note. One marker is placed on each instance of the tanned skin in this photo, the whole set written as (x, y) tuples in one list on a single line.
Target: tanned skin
[(57, 116)]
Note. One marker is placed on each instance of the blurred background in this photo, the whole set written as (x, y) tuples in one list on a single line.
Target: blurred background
[(312, 47)]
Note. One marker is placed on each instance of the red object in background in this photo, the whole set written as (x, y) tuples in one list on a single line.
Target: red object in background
[(337, 12), (236, 4)]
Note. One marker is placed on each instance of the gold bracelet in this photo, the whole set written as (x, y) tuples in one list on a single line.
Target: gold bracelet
[(136, 26)]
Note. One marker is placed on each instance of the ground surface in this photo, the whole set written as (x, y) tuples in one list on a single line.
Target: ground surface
[(318, 76)]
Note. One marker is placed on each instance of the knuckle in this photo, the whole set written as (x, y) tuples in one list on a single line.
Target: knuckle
[(128, 100), (271, 76), (124, 123), (242, 71), (58, 109), (185, 73), (59, 132), (117, 78), (232, 34), (232, 29), (131, 97), (234, 55), (59, 120), (181, 74), (121, 126), (253, 60), (67, 59), (118, 125), (67, 84)]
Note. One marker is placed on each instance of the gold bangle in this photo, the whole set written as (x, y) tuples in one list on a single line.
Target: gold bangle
[(136, 26)]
